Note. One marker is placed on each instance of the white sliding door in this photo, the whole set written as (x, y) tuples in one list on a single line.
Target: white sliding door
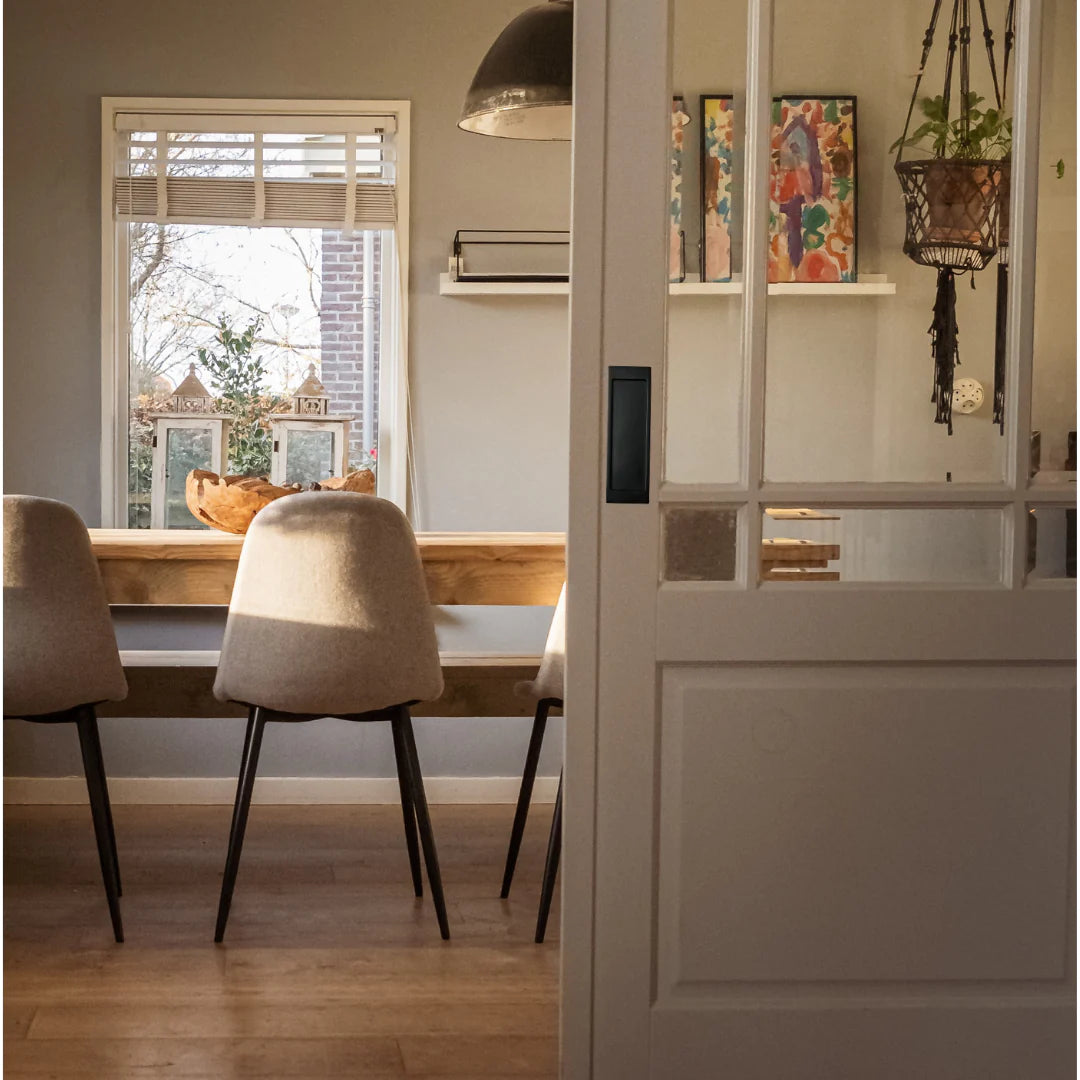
[(819, 782)]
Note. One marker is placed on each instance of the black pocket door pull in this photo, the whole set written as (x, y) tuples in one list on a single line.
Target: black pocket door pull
[(629, 404)]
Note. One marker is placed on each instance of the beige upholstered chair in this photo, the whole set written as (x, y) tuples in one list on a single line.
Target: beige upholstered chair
[(330, 617), (547, 689), (60, 656)]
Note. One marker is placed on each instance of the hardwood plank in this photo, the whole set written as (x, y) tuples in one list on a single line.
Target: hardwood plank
[(245, 1057), (256, 1019), (476, 1056), (17, 1019), (320, 977)]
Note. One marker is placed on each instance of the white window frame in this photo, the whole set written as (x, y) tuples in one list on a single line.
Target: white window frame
[(393, 409)]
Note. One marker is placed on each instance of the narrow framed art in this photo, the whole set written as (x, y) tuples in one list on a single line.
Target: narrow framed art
[(813, 196), (677, 242), (717, 150)]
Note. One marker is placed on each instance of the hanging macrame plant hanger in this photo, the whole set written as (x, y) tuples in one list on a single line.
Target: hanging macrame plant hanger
[(951, 202), (1004, 192)]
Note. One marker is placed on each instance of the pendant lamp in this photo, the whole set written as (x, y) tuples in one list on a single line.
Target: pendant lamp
[(523, 87)]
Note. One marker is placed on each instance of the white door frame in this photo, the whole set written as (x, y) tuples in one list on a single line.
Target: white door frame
[(609, 974)]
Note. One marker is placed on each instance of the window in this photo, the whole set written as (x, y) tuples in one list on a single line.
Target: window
[(253, 311)]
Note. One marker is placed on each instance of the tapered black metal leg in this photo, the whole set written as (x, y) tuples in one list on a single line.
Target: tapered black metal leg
[(243, 757), (521, 814), (98, 791), (423, 820), (248, 767), (551, 867), (108, 809), (407, 808)]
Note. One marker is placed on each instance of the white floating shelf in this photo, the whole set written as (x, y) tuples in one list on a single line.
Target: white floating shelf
[(867, 285)]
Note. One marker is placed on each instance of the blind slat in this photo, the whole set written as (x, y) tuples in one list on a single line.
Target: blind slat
[(267, 124), (297, 203), (162, 177)]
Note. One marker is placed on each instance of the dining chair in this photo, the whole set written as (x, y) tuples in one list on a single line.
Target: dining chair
[(330, 617), (547, 689), (60, 655)]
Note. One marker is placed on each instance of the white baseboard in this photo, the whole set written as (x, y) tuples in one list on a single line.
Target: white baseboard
[(201, 791)]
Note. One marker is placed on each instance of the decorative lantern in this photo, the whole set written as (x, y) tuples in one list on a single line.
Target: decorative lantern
[(952, 202), (309, 443), (190, 436)]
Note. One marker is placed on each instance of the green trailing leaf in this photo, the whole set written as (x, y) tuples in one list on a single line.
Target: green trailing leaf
[(972, 133), (1059, 168)]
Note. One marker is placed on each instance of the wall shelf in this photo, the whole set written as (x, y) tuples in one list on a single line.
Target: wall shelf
[(868, 285)]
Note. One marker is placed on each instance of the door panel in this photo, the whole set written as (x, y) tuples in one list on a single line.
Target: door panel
[(863, 824), (881, 1038)]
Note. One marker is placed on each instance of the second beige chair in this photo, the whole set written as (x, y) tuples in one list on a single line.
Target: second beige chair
[(330, 617), (548, 691)]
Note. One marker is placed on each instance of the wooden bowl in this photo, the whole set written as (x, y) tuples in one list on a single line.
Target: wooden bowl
[(230, 503)]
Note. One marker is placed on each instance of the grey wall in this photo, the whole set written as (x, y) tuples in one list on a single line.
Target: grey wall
[(488, 380)]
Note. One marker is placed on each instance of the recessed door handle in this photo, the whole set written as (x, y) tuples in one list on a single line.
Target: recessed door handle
[(629, 409)]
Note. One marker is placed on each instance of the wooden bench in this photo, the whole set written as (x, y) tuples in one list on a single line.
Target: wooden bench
[(180, 683)]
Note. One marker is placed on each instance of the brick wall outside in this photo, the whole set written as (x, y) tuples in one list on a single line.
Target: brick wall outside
[(341, 320)]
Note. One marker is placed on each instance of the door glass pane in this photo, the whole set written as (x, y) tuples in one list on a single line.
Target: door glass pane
[(918, 545), (309, 455), (704, 367), (1053, 390), (699, 543), (849, 367), (185, 449), (1051, 551)]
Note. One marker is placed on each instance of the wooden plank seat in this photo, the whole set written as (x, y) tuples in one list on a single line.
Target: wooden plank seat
[(167, 684)]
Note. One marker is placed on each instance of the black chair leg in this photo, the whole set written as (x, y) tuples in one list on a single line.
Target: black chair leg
[(551, 867), (249, 765), (98, 791), (108, 810), (521, 814), (408, 809), (423, 819)]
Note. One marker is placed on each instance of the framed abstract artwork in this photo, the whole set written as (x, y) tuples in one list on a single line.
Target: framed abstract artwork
[(813, 221), (677, 245), (717, 148)]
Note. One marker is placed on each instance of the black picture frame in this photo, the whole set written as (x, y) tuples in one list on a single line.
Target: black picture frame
[(853, 98)]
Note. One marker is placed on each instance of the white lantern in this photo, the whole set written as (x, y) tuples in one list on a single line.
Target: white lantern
[(189, 436), (309, 443)]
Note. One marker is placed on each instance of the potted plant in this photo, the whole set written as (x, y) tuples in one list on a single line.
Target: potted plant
[(968, 169)]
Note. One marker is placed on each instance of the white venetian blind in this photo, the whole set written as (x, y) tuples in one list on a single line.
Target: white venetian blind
[(329, 172)]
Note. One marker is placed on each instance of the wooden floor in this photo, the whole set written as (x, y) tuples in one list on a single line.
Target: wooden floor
[(330, 968)]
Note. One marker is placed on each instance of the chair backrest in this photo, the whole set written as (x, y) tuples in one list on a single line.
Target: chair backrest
[(59, 644), (550, 679), (330, 612)]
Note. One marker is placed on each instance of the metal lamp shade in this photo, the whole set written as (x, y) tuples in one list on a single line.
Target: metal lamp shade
[(523, 87)]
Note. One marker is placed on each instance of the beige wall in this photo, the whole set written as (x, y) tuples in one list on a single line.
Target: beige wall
[(488, 380)]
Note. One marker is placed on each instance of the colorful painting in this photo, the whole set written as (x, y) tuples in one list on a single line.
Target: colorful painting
[(812, 220), (717, 147), (679, 120)]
